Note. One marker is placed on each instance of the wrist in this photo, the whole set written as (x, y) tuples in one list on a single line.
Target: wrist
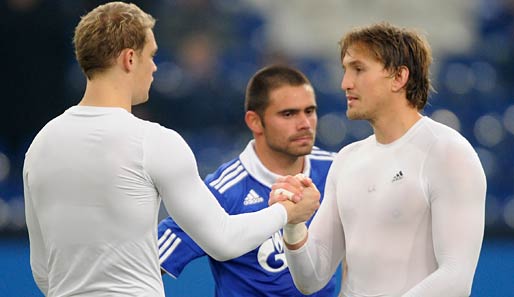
[(294, 233)]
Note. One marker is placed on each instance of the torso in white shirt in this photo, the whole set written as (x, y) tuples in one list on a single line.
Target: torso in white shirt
[(407, 217), (96, 207), (385, 212)]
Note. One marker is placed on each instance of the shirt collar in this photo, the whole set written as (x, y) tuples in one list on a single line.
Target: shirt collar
[(257, 170)]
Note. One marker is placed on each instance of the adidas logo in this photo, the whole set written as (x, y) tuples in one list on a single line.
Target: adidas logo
[(252, 198), (398, 176)]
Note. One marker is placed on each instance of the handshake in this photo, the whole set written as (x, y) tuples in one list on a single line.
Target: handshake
[(298, 195)]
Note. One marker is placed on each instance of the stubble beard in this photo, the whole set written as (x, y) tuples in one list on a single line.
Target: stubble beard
[(355, 115), (292, 151)]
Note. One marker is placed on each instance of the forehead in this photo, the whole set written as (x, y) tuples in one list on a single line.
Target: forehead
[(150, 44), (359, 53), (292, 97)]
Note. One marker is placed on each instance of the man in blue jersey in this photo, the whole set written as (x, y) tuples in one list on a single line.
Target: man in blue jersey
[(281, 113)]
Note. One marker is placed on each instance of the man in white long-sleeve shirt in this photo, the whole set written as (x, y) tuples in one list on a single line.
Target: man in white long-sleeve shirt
[(93, 177), (404, 207)]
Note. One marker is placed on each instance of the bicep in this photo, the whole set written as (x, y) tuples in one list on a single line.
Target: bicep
[(457, 190)]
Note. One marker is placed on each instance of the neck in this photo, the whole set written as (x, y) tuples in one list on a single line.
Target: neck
[(390, 128), (106, 92), (278, 162)]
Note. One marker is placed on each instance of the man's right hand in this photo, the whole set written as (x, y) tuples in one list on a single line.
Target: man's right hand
[(305, 200)]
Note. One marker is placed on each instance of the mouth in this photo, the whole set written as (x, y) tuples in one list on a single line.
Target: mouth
[(303, 138), (350, 99)]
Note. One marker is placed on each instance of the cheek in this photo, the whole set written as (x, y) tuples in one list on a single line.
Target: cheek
[(314, 121), (276, 129)]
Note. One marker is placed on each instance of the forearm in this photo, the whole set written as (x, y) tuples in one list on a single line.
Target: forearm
[(310, 270), (314, 259), (171, 165), (457, 255), (449, 280), (221, 236)]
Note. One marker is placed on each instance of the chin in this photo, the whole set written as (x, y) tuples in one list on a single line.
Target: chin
[(354, 115), (304, 150), (139, 101)]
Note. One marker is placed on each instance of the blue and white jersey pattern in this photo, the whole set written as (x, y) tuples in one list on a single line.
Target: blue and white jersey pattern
[(243, 185)]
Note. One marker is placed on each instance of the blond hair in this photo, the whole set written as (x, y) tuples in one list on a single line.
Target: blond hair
[(105, 31)]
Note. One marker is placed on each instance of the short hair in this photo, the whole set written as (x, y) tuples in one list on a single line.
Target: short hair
[(268, 79), (105, 31), (395, 47)]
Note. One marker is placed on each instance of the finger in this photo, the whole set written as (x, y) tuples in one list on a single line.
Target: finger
[(275, 199), (295, 189), (300, 176), (282, 195), (291, 196), (291, 180), (283, 192), (304, 180)]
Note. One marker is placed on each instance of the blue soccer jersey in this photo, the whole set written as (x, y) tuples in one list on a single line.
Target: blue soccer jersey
[(243, 185)]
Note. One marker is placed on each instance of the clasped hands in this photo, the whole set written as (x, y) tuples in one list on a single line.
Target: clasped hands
[(298, 195)]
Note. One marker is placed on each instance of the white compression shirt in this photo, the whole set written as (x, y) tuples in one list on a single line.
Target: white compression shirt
[(407, 217), (93, 179)]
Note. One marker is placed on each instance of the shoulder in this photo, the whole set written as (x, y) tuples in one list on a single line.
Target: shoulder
[(318, 154), (165, 139), (152, 128), (236, 190), (51, 132), (320, 160), (228, 176), (439, 138), (355, 147)]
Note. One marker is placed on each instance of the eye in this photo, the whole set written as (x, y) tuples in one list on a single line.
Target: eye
[(287, 113), (310, 110)]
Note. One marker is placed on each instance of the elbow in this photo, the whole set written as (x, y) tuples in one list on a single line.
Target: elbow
[(307, 287), (463, 281), (221, 257), (307, 290), (463, 289), (224, 251), (459, 291), (460, 285), (42, 283)]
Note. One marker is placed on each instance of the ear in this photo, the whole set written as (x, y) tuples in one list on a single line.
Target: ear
[(253, 121), (400, 79), (127, 57)]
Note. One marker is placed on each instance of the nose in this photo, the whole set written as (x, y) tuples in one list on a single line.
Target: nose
[(304, 121), (346, 83)]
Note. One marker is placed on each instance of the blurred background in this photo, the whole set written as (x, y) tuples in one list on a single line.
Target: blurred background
[(208, 50)]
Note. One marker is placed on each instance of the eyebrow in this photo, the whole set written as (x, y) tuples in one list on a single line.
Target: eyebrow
[(353, 63), (155, 51), (298, 109)]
